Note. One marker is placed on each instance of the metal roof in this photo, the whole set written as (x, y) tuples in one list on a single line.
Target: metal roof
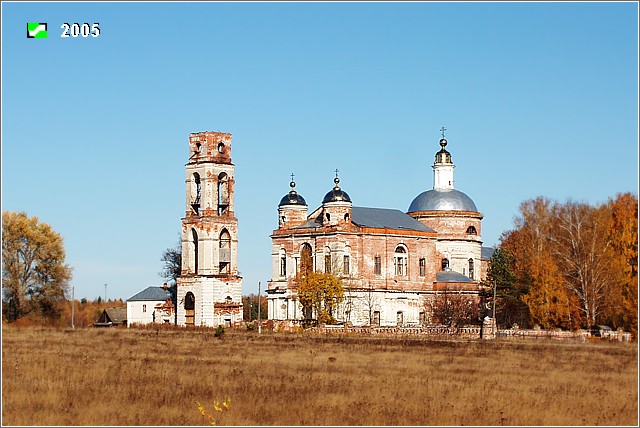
[(151, 293), (487, 253), (451, 276), (442, 200), (386, 218)]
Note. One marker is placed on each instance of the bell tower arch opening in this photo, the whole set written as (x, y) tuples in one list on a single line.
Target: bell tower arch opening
[(223, 194)]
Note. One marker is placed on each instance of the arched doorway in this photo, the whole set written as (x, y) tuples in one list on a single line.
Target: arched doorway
[(190, 308)]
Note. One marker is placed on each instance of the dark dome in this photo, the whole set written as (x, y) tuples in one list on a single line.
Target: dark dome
[(292, 198), (442, 200), (336, 194)]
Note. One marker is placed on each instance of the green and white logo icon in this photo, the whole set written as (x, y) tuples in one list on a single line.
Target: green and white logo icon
[(36, 30)]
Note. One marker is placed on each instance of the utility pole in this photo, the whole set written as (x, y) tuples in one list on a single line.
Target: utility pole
[(73, 304), (105, 294), (495, 324), (259, 323)]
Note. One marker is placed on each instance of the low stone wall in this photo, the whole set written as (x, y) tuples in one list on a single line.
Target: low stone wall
[(472, 332), (467, 332), (439, 330)]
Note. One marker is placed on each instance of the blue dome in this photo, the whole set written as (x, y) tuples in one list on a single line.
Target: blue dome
[(336, 194), (442, 200), (292, 198)]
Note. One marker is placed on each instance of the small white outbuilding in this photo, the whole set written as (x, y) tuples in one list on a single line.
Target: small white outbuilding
[(151, 305)]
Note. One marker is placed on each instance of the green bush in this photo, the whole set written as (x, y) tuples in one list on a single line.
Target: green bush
[(219, 332)]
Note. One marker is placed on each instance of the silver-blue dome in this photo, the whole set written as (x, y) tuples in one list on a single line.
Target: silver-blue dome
[(442, 200)]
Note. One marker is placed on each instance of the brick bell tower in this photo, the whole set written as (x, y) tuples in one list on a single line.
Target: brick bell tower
[(209, 289)]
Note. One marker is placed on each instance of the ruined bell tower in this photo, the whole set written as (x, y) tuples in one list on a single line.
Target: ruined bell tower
[(209, 289)]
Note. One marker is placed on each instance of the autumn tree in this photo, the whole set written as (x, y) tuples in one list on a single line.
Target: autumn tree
[(34, 275), (621, 305), (250, 307), (319, 293), (535, 267), (581, 245), (172, 262)]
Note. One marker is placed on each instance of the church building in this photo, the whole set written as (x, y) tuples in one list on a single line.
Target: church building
[(392, 264), (209, 289)]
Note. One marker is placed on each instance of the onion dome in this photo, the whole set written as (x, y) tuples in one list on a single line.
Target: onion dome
[(336, 194), (292, 198), (443, 156)]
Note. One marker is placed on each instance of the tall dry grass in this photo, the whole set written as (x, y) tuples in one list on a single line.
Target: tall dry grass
[(155, 377)]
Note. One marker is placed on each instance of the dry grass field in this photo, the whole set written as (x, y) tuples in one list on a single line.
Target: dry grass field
[(155, 377)]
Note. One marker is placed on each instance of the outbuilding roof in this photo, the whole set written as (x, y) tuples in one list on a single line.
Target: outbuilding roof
[(116, 315), (452, 276), (151, 293)]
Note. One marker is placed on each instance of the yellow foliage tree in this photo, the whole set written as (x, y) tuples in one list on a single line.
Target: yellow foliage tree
[(319, 293), (34, 275)]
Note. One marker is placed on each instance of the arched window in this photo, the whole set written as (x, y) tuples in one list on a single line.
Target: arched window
[(283, 263), (400, 261), (220, 147), (445, 264), (195, 193), (346, 261), (346, 217), (327, 260), (471, 268), (471, 230), (194, 250), (224, 252), (223, 193), (306, 259)]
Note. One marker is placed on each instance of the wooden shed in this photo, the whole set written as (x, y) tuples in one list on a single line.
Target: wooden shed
[(112, 317)]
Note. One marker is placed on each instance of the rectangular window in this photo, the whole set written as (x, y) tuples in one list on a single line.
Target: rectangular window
[(283, 266), (423, 319), (401, 266), (346, 265), (144, 308), (377, 266), (376, 318), (327, 264), (422, 267)]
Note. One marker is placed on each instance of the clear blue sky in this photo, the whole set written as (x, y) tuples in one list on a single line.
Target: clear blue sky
[(537, 98)]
